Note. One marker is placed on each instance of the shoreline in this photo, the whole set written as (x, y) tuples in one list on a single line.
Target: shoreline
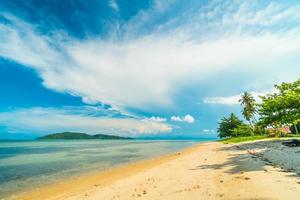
[(98, 178), (208, 170)]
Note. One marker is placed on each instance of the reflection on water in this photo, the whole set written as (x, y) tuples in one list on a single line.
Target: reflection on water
[(31, 163)]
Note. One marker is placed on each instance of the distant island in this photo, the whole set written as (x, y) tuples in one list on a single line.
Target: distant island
[(77, 135)]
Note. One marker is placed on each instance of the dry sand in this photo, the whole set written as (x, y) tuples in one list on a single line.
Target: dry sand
[(206, 171)]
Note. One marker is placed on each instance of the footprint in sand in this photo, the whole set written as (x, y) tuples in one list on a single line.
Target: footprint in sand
[(196, 187), (241, 177)]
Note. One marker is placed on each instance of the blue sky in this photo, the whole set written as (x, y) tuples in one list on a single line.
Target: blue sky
[(139, 68)]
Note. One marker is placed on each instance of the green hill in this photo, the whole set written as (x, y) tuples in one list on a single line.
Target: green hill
[(75, 135), (102, 136)]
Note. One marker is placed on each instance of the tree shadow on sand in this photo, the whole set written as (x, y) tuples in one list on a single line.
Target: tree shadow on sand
[(243, 159), (237, 162)]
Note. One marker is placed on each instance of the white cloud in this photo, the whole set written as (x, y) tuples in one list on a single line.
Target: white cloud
[(208, 131), (47, 120), (157, 119), (176, 118), (234, 99), (186, 118), (145, 72), (229, 100)]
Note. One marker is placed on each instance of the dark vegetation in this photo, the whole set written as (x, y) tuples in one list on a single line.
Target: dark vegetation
[(75, 135)]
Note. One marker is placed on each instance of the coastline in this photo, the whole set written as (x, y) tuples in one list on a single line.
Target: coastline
[(209, 170), (60, 189)]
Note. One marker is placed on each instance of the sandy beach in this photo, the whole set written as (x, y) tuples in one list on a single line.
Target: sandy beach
[(206, 171)]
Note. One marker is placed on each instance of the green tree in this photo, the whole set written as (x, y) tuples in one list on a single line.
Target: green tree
[(242, 130), (228, 125), (248, 103), (283, 107)]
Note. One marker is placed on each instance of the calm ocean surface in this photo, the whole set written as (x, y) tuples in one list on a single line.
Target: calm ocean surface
[(26, 164)]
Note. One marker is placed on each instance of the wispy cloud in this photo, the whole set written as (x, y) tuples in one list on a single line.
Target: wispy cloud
[(186, 118), (48, 120), (146, 70), (113, 4), (229, 100)]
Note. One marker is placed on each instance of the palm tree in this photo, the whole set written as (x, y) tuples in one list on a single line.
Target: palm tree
[(248, 102)]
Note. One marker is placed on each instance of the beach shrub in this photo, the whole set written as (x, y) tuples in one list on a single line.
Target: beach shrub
[(279, 133), (242, 131), (259, 130)]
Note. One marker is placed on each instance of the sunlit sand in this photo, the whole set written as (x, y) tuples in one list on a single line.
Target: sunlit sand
[(206, 171)]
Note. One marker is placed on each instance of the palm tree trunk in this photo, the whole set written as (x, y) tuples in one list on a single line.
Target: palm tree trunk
[(296, 128), (251, 125), (254, 119)]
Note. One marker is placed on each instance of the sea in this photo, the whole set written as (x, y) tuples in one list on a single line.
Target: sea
[(29, 164)]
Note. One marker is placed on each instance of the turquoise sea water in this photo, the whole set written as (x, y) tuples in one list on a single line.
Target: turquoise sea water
[(27, 164)]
